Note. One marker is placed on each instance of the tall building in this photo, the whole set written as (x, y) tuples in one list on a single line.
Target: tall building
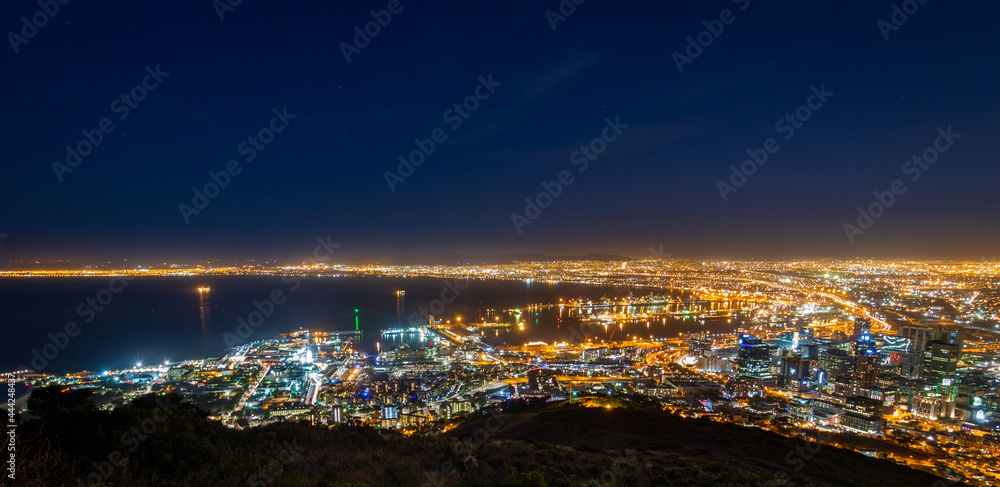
[(866, 372), (862, 344), (921, 335), (699, 343), (907, 364), (933, 407), (862, 327), (866, 365), (753, 358), (863, 414), (897, 343), (796, 372), (834, 363), (941, 362), (390, 412)]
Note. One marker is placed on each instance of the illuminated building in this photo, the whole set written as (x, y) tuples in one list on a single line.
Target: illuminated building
[(753, 358), (863, 415), (390, 412), (745, 386), (866, 365), (714, 365), (862, 326), (941, 362), (796, 372), (897, 343), (922, 335), (699, 344), (833, 363), (932, 407), (594, 353), (906, 364), (291, 410), (540, 379)]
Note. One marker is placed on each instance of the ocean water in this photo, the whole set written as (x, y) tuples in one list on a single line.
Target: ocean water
[(153, 320)]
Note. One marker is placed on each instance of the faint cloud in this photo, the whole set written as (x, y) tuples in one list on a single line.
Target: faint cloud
[(569, 67), (643, 145), (529, 88)]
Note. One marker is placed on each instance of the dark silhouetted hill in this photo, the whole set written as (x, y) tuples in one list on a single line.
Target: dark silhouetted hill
[(161, 442)]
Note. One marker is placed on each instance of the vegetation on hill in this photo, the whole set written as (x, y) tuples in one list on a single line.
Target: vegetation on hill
[(162, 442)]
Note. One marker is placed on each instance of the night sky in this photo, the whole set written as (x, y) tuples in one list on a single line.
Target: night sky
[(655, 184)]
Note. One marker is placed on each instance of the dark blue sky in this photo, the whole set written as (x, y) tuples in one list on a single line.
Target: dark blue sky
[(655, 185)]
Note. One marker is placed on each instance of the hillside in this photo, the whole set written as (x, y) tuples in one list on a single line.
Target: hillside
[(175, 445), (654, 448)]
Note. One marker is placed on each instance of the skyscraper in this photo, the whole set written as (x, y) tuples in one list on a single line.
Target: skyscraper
[(796, 372), (941, 362), (753, 358), (833, 363), (862, 326), (866, 364), (863, 414), (921, 335)]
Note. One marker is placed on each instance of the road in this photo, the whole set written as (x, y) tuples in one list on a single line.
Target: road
[(267, 368)]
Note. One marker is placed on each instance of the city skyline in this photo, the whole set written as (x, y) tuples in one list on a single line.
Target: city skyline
[(896, 360)]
